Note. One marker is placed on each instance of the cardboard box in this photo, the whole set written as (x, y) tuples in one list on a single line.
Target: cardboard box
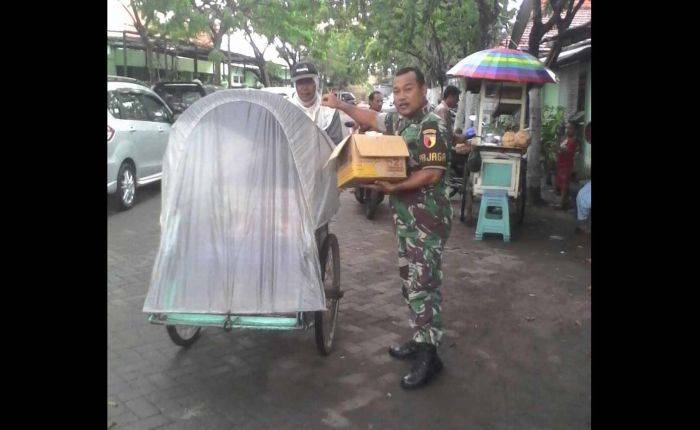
[(365, 158)]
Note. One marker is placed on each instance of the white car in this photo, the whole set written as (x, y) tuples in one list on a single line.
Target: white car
[(138, 128), (286, 92), (388, 103), (347, 97)]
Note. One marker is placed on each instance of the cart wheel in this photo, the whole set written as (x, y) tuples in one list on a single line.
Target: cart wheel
[(372, 203), (359, 195), (454, 188), (325, 321), (183, 335)]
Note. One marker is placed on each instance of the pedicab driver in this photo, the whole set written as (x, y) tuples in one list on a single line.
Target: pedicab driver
[(422, 214), (307, 97)]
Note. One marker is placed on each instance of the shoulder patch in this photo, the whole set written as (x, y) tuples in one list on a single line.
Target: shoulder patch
[(429, 137)]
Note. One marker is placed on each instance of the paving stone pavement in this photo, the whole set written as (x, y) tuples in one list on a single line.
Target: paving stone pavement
[(516, 348)]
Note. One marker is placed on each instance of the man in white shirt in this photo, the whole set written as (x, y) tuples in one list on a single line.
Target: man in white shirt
[(308, 98)]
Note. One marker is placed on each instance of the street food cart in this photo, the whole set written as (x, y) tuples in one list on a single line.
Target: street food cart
[(246, 205), (502, 78)]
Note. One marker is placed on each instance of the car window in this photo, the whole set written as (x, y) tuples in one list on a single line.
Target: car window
[(132, 107), (190, 97), (179, 99), (156, 110), (113, 105)]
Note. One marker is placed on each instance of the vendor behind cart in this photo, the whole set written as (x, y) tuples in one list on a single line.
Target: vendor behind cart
[(307, 97), (422, 213), (450, 100)]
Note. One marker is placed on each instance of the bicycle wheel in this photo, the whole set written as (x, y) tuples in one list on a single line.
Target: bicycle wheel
[(455, 187), (183, 336), (325, 321)]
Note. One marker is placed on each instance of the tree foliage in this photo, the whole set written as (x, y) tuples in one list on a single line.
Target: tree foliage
[(543, 20), (347, 38), (431, 34)]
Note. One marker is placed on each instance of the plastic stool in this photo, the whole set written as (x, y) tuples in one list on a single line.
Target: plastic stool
[(490, 222)]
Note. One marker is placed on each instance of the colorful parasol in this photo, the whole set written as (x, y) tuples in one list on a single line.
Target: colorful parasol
[(501, 64)]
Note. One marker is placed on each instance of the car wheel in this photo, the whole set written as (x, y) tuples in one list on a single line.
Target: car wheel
[(126, 186)]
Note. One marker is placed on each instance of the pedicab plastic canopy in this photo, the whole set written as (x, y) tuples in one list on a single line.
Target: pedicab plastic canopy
[(244, 190)]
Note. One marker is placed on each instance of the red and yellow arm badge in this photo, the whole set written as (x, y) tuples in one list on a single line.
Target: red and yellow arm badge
[(429, 138)]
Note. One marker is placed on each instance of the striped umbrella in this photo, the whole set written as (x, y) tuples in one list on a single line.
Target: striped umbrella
[(501, 64)]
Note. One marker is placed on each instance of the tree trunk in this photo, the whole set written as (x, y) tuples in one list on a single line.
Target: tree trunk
[(158, 66), (175, 65), (487, 18), (259, 60), (534, 169), (228, 59), (217, 64), (266, 74), (261, 74), (149, 63), (217, 39), (195, 75), (217, 73), (126, 66)]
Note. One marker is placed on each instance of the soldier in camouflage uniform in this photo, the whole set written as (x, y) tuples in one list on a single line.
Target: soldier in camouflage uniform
[(422, 214)]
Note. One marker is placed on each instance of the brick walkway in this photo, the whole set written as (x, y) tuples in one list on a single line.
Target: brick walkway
[(516, 349)]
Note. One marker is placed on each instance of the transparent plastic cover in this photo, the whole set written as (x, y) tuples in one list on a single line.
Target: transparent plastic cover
[(244, 189)]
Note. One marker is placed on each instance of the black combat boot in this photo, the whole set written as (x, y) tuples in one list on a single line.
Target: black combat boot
[(405, 351), (427, 365)]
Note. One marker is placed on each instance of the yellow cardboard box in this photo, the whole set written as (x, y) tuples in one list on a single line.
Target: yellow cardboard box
[(365, 158)]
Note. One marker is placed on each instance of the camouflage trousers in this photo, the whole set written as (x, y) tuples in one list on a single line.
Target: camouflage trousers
[(420, 261)]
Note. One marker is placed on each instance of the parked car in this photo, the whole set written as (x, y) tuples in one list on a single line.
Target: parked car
[(286, 92), (211, 88), (388, 104), (347, 97), (138, 127), (180, 95), (112, 78)]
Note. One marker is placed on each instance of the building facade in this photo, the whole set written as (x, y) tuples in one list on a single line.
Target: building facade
[(126, 56)]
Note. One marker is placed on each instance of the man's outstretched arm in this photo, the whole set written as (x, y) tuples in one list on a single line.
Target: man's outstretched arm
[(364, 117)]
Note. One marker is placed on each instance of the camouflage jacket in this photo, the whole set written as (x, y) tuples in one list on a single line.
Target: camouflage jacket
[(426, 211)]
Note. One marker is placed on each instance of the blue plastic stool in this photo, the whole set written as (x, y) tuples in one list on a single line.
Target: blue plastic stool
[(493, 223)]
